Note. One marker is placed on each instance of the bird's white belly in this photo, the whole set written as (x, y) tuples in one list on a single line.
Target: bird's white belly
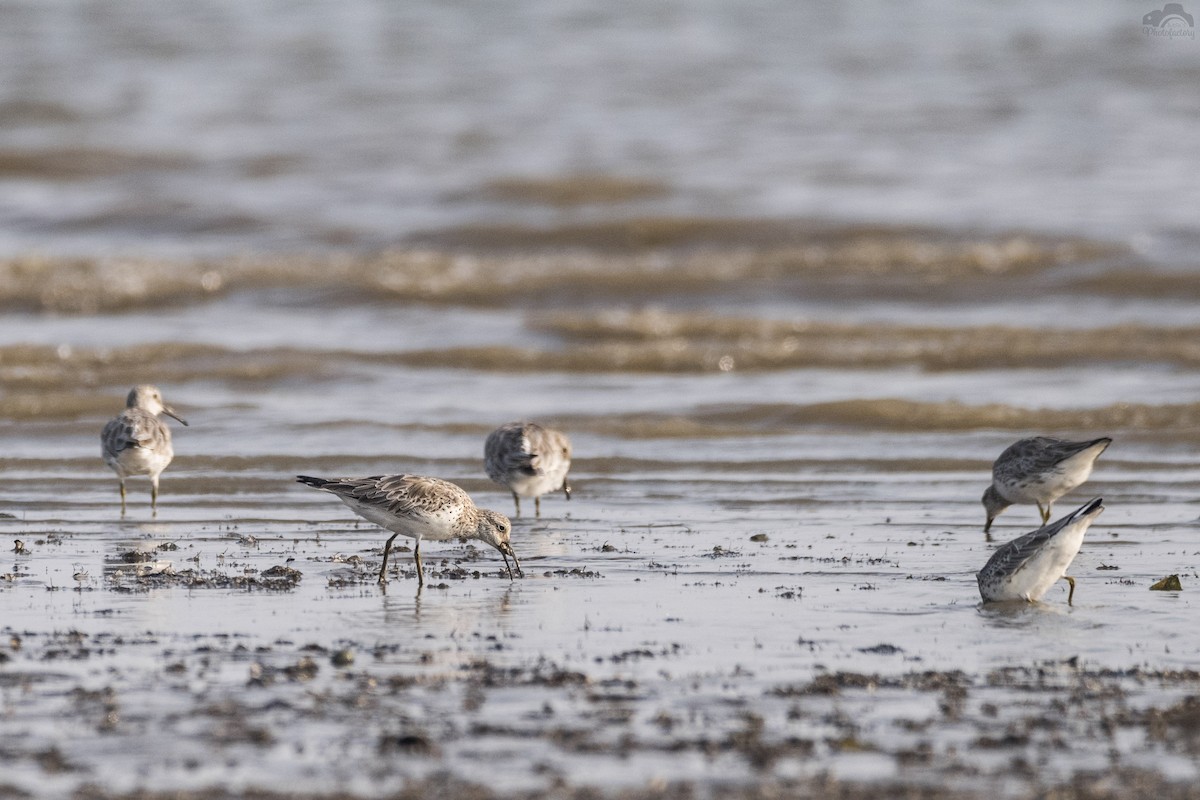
[(535, 485), (423, 526), (140, 461)]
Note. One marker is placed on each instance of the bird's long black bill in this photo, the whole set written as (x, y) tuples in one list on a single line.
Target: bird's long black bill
[(170, 412), (505, 556)]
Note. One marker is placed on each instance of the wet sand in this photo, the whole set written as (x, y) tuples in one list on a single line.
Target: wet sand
[(261, 659)]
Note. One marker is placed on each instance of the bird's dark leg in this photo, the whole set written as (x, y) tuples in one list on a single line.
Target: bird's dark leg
[(420, 566), (122, 480), (1045, 512), (567, 488), (154, 497), (387, 548), (537, 506), (517, 502), (1070, 594)]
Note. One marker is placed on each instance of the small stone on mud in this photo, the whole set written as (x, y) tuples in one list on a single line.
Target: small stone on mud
[(1168, 584)]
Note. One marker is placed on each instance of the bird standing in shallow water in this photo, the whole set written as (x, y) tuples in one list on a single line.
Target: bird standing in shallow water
[(528, 459), (1039, 470), (137, 442), (420, 508), (1026, 567)]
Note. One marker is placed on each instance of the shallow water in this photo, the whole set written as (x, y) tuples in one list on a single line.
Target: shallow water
[(785, 373), (183, 127)]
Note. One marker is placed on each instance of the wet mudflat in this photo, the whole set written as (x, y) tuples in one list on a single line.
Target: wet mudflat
[(803, 626)]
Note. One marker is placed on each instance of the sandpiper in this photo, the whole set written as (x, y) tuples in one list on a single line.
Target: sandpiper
[(1039, 470), (528, 459), (1026, 567), (420, 508), (137, 442)]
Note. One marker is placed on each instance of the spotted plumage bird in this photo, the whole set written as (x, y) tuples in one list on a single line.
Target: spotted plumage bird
[(137, 442), (420, 508), (529, 460)]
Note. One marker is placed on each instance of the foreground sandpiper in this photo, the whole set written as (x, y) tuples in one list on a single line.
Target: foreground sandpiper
[(137, 442), (529, 460), (1026, 567), (420, 508), (1039, 470)]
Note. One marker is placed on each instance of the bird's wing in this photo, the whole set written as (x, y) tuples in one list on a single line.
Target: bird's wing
[(1013, 556), (1039, 454), (510, 449), (402, 495), (133, 428), (1057, 451), (550, 449)]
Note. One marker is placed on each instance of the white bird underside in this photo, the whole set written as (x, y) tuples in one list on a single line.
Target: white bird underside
[(435, 526), (534, 485)]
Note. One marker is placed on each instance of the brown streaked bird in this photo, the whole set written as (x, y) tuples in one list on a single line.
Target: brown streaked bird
[(137, 442), (529, 460), (420, 508)]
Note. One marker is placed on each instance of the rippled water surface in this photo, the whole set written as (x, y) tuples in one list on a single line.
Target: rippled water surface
[(789, 295)]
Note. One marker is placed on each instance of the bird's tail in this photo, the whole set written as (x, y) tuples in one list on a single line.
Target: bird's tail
[(316, 483), (1088, 508)]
